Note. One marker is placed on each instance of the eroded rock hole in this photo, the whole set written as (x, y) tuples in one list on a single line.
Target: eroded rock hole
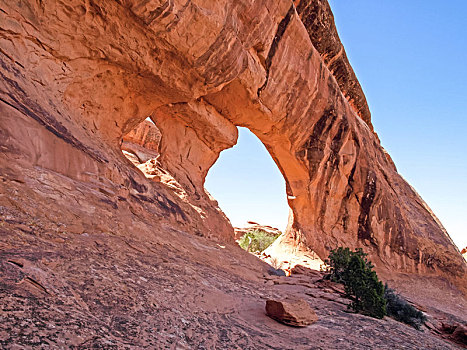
[(141, 147)]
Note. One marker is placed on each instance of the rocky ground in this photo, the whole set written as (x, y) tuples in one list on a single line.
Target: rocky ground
[(168, 291)]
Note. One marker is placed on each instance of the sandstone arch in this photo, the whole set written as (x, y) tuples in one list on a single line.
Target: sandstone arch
[(198, 69)]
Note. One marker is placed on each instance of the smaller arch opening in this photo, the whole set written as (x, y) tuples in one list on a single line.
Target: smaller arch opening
[(141, 147)]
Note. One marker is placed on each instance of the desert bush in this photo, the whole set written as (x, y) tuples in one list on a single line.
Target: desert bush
[(355, 272), (256, 241), (369, 296), (276, 263), (399, 309)]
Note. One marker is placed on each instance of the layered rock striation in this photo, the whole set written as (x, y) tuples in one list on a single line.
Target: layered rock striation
[(77, 77)]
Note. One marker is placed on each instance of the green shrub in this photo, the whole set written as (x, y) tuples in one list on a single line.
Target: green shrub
[(360, 281), (257, 240), (338, 262), (369, 296), (401, 310)]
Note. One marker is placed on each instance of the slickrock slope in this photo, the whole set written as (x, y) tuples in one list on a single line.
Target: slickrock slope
[(76, 77), (164, 289)]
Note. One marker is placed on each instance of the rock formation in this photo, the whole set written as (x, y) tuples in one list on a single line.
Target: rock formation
[(296, 313), (142, 142), (252, 226), (77, 77), (460, 334), (318, 20)]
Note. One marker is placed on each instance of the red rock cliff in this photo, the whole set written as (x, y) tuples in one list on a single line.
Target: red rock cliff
[(77, 77)]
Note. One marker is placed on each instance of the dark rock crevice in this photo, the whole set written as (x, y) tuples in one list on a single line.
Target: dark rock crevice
[(317, 17), (275, 44), (364, 220)]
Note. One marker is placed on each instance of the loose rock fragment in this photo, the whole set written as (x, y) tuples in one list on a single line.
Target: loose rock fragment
[(295, 313)]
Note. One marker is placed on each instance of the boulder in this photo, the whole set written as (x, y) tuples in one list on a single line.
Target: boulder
[(302, 270), (460, 334), (276, 272), (296, 313)]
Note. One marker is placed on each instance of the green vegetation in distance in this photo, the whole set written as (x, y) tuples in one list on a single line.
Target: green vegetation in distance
[(257, 241)]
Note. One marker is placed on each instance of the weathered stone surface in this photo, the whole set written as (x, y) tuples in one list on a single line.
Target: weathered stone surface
[(146, 135), (460, 334), (286, 253), (295, 313), (76, 77), (318, 20), (160, 289), (456, 332), (143, 141)]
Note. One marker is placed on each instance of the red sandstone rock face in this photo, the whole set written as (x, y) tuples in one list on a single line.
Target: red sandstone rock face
[(146, 135), (460, 334), (143, 142), (318, 20), (76, 78)]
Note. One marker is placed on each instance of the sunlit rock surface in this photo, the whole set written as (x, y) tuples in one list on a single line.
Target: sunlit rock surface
[(77, 77)]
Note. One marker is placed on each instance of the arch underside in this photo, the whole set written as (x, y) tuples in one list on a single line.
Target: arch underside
[(198, 70)]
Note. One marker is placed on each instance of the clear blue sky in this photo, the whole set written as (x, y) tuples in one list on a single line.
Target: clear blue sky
[(248, 185), (411, 59)]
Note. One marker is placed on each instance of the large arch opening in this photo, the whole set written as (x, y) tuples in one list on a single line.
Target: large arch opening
[(248, 185), (251, 190)]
